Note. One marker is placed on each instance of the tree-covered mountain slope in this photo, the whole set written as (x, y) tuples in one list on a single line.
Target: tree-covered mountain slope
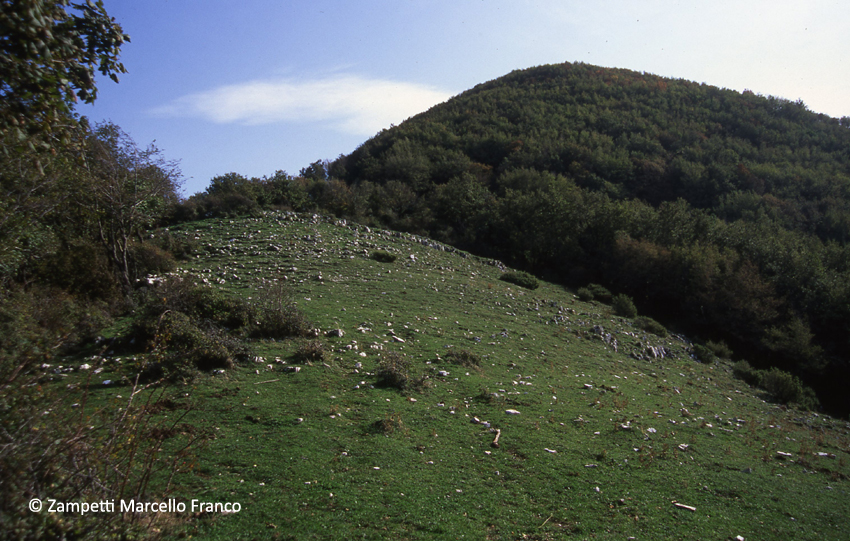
[(631, 135), (725, 212)]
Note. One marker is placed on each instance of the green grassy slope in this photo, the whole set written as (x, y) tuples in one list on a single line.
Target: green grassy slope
[(606, 439)]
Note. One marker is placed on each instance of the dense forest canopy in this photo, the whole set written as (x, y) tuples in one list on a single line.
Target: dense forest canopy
[(727, 212), (631, 135)]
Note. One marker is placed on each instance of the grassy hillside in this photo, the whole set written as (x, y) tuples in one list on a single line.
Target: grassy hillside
[(724, 211), (605, 431)]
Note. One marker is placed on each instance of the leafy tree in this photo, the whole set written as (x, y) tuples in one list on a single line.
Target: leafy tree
[(317, 170), (49, 51), (130, 190)]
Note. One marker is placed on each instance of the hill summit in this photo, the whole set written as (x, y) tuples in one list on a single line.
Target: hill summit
[(725, 212)]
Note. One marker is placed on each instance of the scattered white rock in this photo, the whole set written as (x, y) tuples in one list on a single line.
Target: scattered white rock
[(512, 412)]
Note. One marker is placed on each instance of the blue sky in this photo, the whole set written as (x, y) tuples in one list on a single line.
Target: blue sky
[(255, 86)]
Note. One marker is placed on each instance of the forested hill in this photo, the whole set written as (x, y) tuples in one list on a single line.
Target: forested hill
[(631, 135), (726, 212)]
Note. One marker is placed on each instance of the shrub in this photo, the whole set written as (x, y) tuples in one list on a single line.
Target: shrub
[(520, 278), (80, 268), (309, 352), (808, 400), (720, 349), (146, 258), (585, 294), (624, 306), (599, 292), (650, 325), (463, 358), (276, 315), (40, 322), (390, 423), (706, 356), (783, 386), (186, 327), (219, 307), (743, 370), (394, 370), (181, 247), (199, 302), (180, 348), (48, 450), (383, 256)]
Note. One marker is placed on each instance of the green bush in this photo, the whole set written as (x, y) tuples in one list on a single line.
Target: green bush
[(520, 278), (706, 356), (275, 314), (146, 258), (783, 386), (383, 256), (199, 302), (743, 370), (188, 328), (41, 322), (48, 450), (585, 294), (599, 292), (650, 325), (80, 268), (180, 348), (463, 358), (624, 306), (219, 307), (720, 349), (309, 352), (394, 370), (808, 400)]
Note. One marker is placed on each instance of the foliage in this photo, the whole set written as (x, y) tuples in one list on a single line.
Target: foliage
[(383, 256), (624, 306), (275, 315), (50, 54), (48, 450), (584, 294), (41, 322), (463, 358), (601, 293), (706, 355), (129, 190), (783, 386), (520, 278), (188, 328), (394, 370), (649, 325), (309, 352), (744, 371), (720, 349)]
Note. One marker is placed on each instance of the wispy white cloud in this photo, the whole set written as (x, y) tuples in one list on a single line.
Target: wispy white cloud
[(350, 103)]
